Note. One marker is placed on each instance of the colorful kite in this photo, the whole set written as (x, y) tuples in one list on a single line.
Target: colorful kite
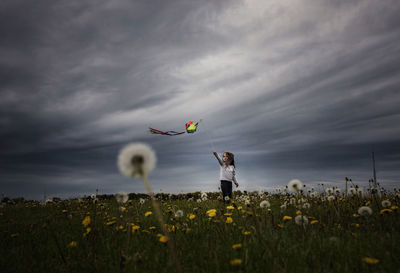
[(191, 127)]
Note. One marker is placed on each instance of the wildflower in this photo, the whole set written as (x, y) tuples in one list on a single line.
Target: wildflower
[(386, 203), (295, 185), (356, 215), (148, 213), (191, 216), (292, 201), (72, 244), (329, 191), (141, 201), (337, 191), (229, 220), (246, 233), (298, 212), (178, 213), (136, 160), (226, 198), (86, 221), (280, 225), (306, 206), (394, 207), (88, 230), (122, 209), (64, 211), (352, 191), (230, 207), (265, 204), (364, 211), (314, 222), (122, 197), (152, 227), (237, 246), (239, 208), (283, 207), (369, 260), (301, 220), (212, 214), (331, 198), (236, 262), (287, 218), (110, 223), (314, 194), (163, 239), (385, 211)]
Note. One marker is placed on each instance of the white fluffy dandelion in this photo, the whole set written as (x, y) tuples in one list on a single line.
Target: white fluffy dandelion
[(301, 220), (386, 203), (306, 206), (122, 197), (265, 204), (337, 191), (178, 213), (283, 207), (141, 201), (329, 191), (331, 198), (136, 159), (227, 198), (295, 185), (314, 194), (292, 201), (352, 191), (365, 211)]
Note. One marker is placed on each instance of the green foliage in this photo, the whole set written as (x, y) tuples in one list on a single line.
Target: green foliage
[(41, 237)]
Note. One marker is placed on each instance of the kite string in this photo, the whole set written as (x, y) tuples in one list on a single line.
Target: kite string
[(211, 142)]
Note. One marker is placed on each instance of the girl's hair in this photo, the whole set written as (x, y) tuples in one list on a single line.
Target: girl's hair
[(231, 157)]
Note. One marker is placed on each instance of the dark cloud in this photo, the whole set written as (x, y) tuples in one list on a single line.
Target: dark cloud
[(295, 90)]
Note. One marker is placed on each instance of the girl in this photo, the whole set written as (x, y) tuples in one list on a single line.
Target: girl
[(227, 173)]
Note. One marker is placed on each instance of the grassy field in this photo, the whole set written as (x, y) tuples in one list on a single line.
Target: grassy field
[(210, 235)]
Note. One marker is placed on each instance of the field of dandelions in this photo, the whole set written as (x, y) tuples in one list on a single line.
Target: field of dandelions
[(296, 229)]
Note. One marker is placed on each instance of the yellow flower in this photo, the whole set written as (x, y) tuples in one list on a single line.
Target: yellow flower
[(88, 230), (211, 211), (212, 214), (239, 208), (287, 218), (14, 235), (369, 202), (237, 246), (86, 221), (298, 212), (191, 216), (236, 262), (385, 211), (148, 213), (280, 225), (134, 228), (230, 207), (153, 227), (122, 209), (394, 207), (356, 225), (110, 223), (64, 210), (246, 233), (356, 215), (370, 260), (121, 227), (163, 239), (229, 220), (314, 222), (227, 214), (72, 244)]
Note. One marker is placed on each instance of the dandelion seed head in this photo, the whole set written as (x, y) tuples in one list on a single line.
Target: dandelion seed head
[(265, 204), (226, 198), (386, 203), (301, 220), (329, 191), (295, 185), (331, 198), (136, 159), (122, 197), (365, 211), (178, 213)]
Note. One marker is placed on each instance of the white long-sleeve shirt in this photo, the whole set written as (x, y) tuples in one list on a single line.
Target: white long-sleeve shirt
[(226, 172)]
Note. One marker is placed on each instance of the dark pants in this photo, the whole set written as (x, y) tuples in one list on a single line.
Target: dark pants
[(226, 187)]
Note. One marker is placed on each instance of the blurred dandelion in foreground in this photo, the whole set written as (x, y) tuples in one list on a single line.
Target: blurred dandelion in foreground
[(295, 185), (365, 211), (138, 160), (301, 220), (386, 203), (331, 198)]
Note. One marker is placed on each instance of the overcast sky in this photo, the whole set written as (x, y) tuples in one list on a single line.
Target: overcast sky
[(295, 89)]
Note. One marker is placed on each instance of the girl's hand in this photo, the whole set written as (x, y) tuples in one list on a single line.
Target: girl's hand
[(237, 184)]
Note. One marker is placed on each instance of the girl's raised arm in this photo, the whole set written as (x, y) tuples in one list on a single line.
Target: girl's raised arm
[(219, 159)]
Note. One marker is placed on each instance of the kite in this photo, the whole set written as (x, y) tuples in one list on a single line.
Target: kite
[(191, 127)]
